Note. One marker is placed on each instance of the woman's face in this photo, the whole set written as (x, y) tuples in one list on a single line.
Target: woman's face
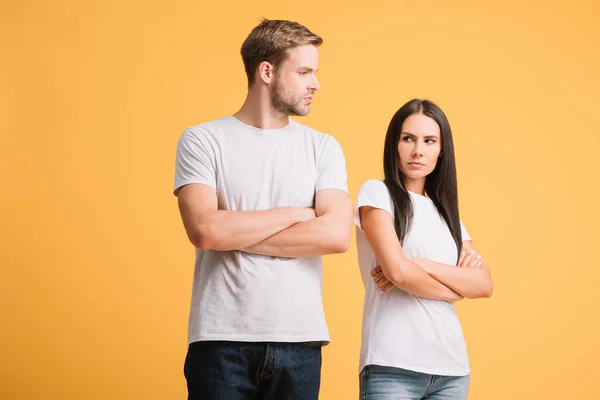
[(419, 147)]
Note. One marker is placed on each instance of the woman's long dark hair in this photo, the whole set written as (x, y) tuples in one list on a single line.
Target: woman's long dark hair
[(440, 184)]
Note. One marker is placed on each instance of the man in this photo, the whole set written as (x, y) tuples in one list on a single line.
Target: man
[(262, 198)]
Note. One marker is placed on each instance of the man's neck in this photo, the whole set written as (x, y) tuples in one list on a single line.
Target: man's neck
[(258, 111)]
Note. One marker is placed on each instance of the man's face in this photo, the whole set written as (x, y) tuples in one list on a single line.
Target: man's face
[(295, 81)]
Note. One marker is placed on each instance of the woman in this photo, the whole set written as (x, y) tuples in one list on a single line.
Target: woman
[(416, 259)]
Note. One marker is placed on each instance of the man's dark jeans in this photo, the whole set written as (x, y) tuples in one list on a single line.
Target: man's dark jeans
[(221, 370)]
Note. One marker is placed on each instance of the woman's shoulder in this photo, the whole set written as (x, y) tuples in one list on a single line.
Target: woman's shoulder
[(374, 185), (374, 189)]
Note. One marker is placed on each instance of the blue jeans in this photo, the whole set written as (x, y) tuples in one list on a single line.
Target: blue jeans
[(219, 370), (388, 383)]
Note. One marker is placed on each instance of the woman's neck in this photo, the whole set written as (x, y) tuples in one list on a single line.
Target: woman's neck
[(415, 185)]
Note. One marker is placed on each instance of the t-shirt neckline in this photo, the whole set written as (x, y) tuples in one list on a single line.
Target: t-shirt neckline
[(261, 130)]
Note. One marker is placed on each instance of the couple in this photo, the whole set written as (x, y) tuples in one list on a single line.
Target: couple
[(263, 197)]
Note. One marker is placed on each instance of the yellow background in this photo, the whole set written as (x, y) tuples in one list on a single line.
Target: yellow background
[(96, 268)]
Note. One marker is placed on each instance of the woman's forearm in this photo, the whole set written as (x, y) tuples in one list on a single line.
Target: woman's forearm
[(471, 283)]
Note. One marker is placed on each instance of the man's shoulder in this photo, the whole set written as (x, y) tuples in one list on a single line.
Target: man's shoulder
[(316, 135), (208, 127)]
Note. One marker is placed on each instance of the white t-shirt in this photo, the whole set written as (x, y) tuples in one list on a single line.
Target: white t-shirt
[(238, 296), (399, 329)]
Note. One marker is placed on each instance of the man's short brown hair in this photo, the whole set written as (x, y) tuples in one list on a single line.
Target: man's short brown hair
[(270, 41)]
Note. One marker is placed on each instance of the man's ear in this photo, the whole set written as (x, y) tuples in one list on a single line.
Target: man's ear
[(266, 72)]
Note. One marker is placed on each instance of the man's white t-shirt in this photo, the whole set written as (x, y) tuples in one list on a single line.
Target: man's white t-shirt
[(238, 296), (399, 329)]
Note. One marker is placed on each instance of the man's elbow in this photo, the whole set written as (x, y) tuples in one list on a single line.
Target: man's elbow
[(202, 238), (339, 247), (339, 243)]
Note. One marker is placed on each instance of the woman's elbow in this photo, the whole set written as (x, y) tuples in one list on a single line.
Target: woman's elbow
[(488, 290), (394, 273), (396, 276), (483, 292)]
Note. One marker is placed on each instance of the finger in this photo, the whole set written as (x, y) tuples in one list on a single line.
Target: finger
[(466, 257), (463, 253), (469, 257), (381, 281), (387, 288), (379, 277), (375, 270), (383, 284), (474, 261)]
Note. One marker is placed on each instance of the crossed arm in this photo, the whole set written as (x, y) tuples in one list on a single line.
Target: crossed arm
[(396, 268), (471, 278), (423, 278), (281, 232)]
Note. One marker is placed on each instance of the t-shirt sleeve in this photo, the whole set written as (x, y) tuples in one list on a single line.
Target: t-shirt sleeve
[(194, 161), (464, 233), (332, 167), (375, 194)]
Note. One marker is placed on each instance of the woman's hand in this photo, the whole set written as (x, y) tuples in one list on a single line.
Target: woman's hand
[(469, 257), (382, 283)]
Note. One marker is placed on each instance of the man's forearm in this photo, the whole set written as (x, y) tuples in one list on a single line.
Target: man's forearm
[(230, 230), (316, 237)]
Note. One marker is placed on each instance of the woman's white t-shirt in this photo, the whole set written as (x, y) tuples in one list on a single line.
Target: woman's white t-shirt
[(399, 329)]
